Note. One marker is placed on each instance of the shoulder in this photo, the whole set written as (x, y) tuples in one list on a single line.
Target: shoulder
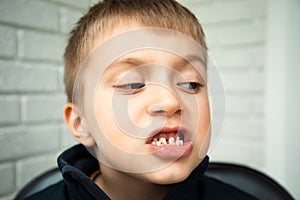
[(220, 190)]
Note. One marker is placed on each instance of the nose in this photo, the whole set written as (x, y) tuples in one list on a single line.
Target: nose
[(164, 102)]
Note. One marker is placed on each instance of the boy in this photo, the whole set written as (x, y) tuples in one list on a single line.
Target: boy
[(138, 104)]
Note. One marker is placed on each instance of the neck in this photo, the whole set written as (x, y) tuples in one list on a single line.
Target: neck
[(119, 185)]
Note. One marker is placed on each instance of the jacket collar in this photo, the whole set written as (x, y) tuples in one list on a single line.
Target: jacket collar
[(77, 164)]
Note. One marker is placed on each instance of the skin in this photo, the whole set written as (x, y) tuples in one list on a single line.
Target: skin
[(152, 185)]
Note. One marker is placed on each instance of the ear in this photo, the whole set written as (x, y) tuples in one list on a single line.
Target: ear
[(77, 126)]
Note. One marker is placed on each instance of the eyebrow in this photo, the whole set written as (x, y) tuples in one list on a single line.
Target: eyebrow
[(131, 61), (137, 61)]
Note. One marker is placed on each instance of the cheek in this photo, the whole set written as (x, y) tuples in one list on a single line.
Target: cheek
[(137, 111), (103, 112), (204, 134), (102, 105), (111, 122), (204, 115), (204, 111)]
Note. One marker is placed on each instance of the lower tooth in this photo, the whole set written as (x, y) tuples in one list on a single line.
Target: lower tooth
[(180, 142), (163, 141), (158, 143), (171, 141)]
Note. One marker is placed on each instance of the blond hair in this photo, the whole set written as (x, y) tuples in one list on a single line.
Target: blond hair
[(106, 14)]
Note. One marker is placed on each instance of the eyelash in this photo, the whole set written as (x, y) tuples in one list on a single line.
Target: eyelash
[(131, 87), (191, 87)]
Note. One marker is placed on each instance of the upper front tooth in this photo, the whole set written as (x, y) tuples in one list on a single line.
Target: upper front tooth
[(163, 140), (177, 140), (158, 143), (172, 140)]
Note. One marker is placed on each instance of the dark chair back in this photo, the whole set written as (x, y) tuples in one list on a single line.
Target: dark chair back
[(39, 183), (248, 180)]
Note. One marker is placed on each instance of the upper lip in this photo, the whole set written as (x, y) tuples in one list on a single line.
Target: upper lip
[(184, 130)]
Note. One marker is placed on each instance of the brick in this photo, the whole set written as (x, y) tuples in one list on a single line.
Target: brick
[(74, 3), (29, 168), (239, 150), (61, 85), (237, 34), (243, 81), (43, 108), (9, 196), (25, 141), (257, 105), (22, 77), (224, 11), (93, 2), (239, 104), (68, 19), (7, 174), (41, 46), (29, 13), (10, 109), (244, 127), (8, 41), (248, 57)]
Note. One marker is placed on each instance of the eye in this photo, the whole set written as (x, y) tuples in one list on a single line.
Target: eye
[(192, 87), (130, 87)]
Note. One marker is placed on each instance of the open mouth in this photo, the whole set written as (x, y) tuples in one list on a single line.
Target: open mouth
[(170, 143), (169, 136)]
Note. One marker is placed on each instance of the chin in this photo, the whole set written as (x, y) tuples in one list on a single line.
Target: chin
[(173, 173)]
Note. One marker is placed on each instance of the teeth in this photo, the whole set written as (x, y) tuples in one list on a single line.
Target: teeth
[(161, 140), (171, 141), (158, 143), (154, 141), (180, 142), (177, 141)]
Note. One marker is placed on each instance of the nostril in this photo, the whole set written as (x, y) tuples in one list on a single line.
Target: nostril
[(160, 111), (178, 111), (156, 109), (167, 110)]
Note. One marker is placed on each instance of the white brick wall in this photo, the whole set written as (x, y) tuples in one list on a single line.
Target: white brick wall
[(32, 39), (33, 35), (8, 41)]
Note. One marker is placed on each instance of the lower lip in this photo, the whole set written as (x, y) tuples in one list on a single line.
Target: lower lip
[(171, 151)]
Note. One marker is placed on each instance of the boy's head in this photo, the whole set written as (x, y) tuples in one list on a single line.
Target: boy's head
[(149, 113), (99, 23)]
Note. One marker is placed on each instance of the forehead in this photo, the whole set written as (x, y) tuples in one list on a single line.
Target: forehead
[(121, 26), (158, 57)]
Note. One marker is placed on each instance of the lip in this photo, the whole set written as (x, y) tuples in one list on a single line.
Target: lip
[(171, 151)]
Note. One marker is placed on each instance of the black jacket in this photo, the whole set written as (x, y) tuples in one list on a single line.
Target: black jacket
[(76, 164)]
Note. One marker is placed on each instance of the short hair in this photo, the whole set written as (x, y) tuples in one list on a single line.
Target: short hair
[(105, 15)]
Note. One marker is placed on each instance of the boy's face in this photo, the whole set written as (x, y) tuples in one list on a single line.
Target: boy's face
[(150, 113)]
